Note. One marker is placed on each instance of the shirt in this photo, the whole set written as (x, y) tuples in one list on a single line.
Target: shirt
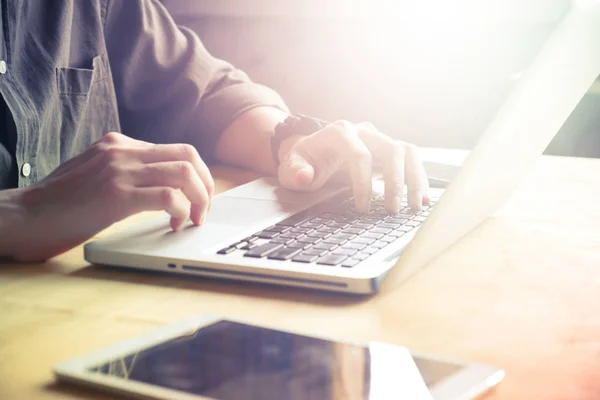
[(74, 70)]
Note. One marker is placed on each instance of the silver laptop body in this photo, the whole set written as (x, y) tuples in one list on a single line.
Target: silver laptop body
[(541, 102)]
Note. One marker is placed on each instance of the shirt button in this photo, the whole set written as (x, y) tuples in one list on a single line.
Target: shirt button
[(2, 67), (26, 170)]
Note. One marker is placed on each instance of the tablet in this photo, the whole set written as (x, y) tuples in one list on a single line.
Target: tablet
[(209, 357)]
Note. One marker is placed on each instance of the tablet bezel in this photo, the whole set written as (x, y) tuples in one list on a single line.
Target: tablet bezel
[(469, 382)]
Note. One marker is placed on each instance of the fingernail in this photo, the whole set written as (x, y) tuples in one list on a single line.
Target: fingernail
[(426, 199), (175, 224)]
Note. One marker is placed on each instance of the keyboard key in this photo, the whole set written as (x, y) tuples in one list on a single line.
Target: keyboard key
[(241, 244), (405, 228), (278, 228), (329, 229), (413, 223), (383, 231), (334, 241), (249, 246), (346, 252), (386, 225), (325, 246), (227, 250), (362, 226), (332, 259), (337, 225), (343, 236), (370, 220), (263, 250), (290, 235), (300, 230), (397, 233), (371, 235), (250, 239), (363, 240), (318, 234), (267, 234), (406, 213), (308, 240), (349, 262), (282, 240), (353, 231), (379, 214), (296, 245), (370, 250), (284, 254), (354, 246), (420, 218), (394, 220), (314, 252), (304, 258), (361, 256), (388, 239)]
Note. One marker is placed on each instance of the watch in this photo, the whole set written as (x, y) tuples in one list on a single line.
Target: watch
[(298, 124)]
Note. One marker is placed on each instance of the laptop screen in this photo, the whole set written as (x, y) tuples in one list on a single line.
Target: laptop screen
[(445, 68)]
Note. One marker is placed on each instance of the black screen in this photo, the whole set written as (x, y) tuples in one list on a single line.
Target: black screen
[(232, 361)]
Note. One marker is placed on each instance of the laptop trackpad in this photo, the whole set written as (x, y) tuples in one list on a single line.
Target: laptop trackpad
[(245, 211)]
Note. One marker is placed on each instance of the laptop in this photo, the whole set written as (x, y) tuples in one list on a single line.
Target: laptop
[(260, 232)]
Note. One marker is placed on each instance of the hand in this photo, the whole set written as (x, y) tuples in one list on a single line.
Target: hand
[(116, 177), (308, 162)]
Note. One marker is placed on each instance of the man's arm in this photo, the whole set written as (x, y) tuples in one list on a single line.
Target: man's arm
[(169, 88), (246, 142)]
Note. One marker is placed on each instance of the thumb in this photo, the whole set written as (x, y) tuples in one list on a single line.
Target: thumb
[(296, 172)]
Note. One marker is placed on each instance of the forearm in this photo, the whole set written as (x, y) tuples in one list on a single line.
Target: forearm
[(11, 217), (245, 143)]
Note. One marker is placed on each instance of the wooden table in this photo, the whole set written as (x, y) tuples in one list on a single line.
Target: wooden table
[(521, 292)]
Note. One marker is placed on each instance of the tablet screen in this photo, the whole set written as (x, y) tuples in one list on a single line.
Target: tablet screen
[(229, 360)]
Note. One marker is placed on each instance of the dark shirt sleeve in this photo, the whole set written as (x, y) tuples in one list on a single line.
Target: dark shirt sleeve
[(169, 88)]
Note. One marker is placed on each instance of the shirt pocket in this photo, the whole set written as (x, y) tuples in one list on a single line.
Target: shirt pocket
[(88, 107), (78, 81)]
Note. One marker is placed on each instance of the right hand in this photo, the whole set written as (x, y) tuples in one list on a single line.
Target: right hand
[(116, 177)]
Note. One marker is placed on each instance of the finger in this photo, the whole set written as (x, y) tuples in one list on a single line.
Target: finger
[(416, 178), (359, 160), (179, 152), (178, 175), (391, 154), (393, 176), (108, 141), (295, 172), (162, 198)]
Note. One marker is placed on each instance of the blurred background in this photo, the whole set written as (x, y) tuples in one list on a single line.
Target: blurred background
[(429, 72)]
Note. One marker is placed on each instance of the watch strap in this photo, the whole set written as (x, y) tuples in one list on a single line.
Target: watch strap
[(294, 125)]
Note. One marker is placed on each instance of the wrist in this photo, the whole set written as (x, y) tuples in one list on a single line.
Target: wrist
[(286, 146), (246, 142)]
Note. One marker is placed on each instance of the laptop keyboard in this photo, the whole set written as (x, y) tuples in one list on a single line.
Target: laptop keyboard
[(332, 234)]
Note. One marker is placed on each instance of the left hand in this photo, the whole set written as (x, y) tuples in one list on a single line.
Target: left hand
[(308, 162)]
